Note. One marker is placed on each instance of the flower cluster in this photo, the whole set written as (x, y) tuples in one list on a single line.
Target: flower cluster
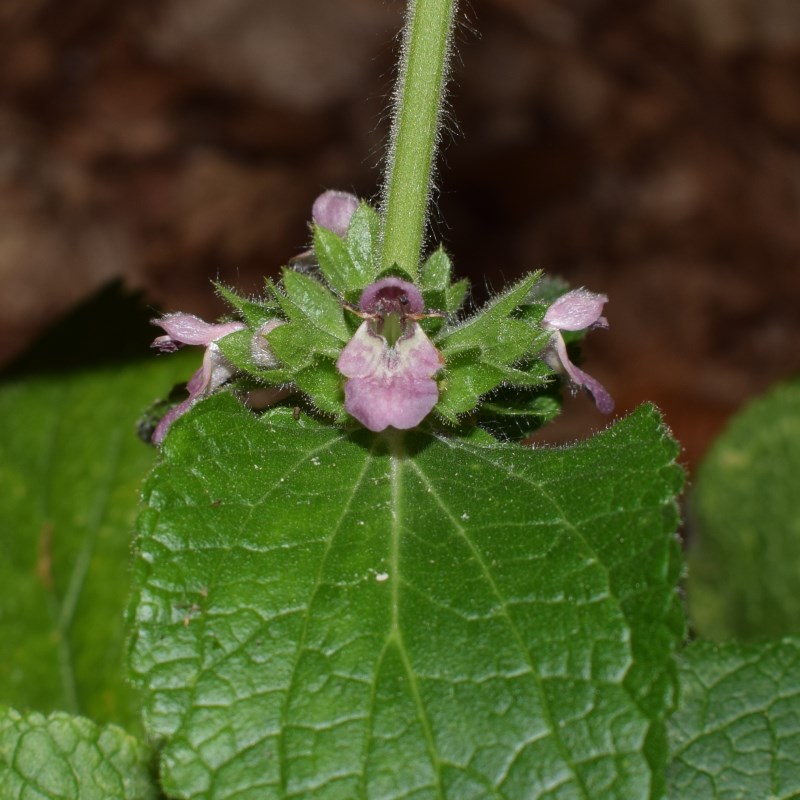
[(403, 354)]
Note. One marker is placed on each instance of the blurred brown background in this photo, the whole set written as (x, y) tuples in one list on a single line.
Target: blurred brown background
[(650, 150)]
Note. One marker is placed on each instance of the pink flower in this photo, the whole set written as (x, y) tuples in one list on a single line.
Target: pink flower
[(334, 210), (575, 311), (216, 369), (390, 362)]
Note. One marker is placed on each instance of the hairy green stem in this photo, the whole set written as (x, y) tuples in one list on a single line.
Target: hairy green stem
[(415, 130)]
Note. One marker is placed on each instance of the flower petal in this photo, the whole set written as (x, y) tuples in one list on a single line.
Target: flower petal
[(575, 311), (400, 401), (390, 385), (189, 329), (334, 210), (602, 399), (166, 421), (363, 354), (214, 371), (390, 291), (417, 355), (165, 344)]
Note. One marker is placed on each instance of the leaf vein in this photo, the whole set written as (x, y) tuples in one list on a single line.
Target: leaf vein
[(548, 712)]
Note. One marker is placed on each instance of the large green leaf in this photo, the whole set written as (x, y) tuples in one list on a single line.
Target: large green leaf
[(736, 735), (61, 757), (745, 556), (322, 614), (70, 467)]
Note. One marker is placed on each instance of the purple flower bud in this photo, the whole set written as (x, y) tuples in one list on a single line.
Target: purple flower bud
[(390, 380), (576, 310), (334, 210), (215, 370)]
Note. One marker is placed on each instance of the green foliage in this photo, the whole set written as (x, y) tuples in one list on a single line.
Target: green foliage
[(745, 550), (514, 414), (481, 350), (483, 330), (61, 757), (435, 274), (254, 312), (238, 349), (302, 338), (323, 383), (306, 332), (395, 271), (435, 280), (70, 468), (465, 380), (736, 734), (325, 614), (318, 306), (336, 263), (363, 238), (455, 295)]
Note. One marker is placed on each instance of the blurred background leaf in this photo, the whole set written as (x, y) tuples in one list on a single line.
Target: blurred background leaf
[(63, 757), (70, 466), (744, 549)]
